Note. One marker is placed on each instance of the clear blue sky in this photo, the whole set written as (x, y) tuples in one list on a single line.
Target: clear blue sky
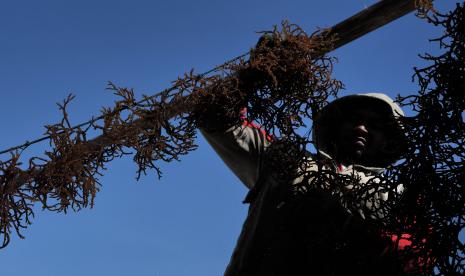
[(187, 222)]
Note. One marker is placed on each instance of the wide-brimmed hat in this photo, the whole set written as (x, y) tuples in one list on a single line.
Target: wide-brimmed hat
[(335, 111)]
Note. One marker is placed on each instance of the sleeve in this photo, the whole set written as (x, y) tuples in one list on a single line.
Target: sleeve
[(241, 148)]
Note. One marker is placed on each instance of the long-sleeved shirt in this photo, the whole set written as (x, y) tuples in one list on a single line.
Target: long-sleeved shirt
[(270, 242)]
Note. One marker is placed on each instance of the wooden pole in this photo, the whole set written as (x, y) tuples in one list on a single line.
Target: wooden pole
[(370, 19)]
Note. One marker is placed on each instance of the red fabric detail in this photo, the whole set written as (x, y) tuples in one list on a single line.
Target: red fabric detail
[(418, 264), (244, 113), (404, 241), (247, 123)]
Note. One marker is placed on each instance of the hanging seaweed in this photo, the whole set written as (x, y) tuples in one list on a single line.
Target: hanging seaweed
[(283, 84)]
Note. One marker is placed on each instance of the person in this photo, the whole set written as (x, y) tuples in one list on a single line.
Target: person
[(356, 135)]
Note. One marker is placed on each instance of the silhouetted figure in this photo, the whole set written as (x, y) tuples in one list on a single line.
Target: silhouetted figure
[(316, 234)]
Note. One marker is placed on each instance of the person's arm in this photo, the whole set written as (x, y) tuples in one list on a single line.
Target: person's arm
[(241, 148), (222, 121)]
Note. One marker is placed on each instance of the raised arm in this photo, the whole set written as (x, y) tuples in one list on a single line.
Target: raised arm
[(241, 148)]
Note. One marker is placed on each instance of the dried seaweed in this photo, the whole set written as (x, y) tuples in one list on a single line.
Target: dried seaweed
[(283, 84), (429, 215), (433, 168), (162, 128)]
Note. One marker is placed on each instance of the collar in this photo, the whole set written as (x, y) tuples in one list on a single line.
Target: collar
[(341, 167)]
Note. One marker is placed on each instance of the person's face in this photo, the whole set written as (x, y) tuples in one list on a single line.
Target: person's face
[(361, 134)]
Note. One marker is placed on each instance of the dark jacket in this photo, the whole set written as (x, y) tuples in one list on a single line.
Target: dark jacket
[(313, 234)]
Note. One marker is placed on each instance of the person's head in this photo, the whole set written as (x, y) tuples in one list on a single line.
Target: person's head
[(361, 129)]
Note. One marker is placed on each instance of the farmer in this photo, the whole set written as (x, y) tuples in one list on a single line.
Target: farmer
[(354, 135)]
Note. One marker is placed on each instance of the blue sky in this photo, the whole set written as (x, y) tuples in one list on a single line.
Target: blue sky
[(187, 222)]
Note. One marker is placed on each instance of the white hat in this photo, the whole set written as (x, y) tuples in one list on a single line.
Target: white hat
[(324, 121)]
